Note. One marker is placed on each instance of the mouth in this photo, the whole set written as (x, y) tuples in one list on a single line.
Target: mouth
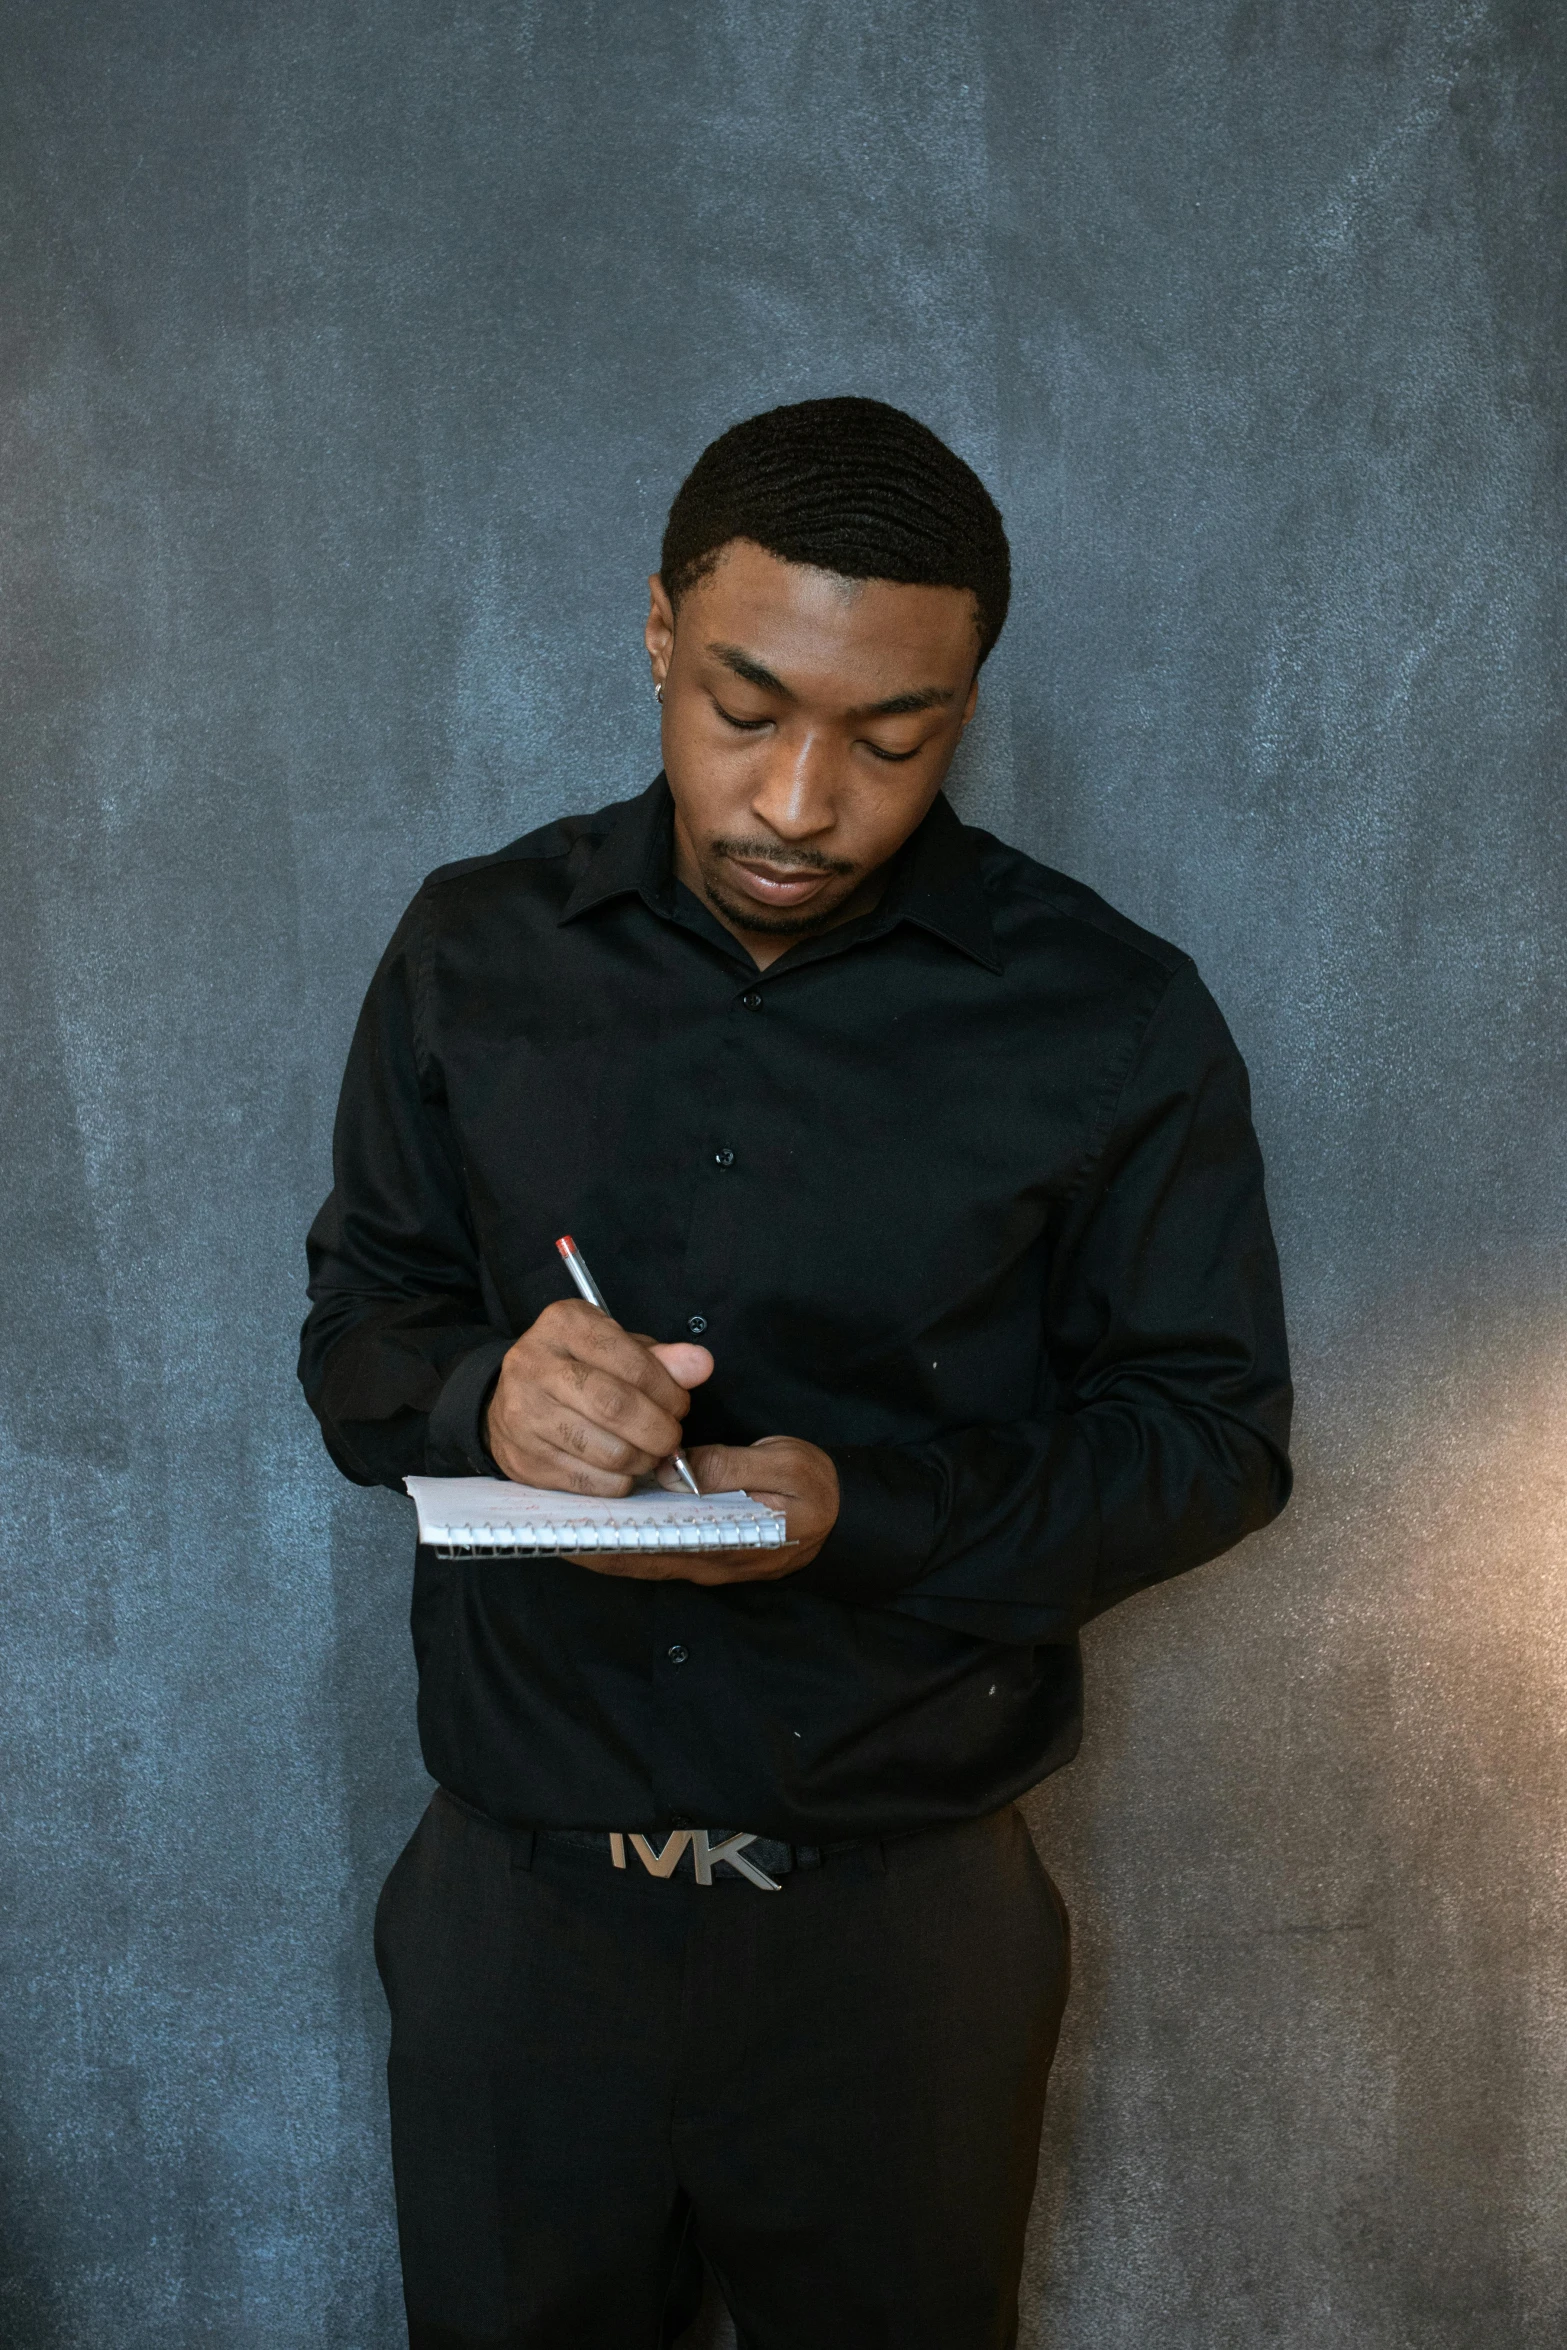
[(778, 885)]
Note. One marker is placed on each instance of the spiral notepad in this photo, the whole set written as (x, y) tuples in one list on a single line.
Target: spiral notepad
[(484, 1517)]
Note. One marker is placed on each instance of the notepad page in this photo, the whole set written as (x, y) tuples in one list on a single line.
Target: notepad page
[(472, 1516)]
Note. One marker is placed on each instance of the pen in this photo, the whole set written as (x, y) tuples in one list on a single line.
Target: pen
[(576, 1266)]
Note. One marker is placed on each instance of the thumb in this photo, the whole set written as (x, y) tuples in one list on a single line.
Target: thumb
[(688, 1366), (733, 1468)]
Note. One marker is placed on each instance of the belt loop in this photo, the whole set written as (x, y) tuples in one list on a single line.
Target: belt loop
[(522, 1848), (876, 1858)]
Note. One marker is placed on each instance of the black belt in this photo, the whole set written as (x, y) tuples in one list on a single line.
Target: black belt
[(694, 1853), (761, 1860)]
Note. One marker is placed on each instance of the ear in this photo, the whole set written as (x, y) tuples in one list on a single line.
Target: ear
[(659, 634)]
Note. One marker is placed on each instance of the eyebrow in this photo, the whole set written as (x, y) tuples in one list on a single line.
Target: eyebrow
[(929, 697)]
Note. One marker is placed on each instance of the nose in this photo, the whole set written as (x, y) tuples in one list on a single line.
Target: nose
[(797, 793)]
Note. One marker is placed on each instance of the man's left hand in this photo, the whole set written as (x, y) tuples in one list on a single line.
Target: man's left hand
[(782, 1472)]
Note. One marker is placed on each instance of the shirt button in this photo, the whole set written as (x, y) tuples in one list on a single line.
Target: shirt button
[(723, 1158), (678, 1654), (696, 1324), (752, 999)]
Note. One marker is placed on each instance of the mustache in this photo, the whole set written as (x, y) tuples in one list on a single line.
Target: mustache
[(773, 852)]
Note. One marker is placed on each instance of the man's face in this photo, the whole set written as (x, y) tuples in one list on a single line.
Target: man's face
[(809, 721)]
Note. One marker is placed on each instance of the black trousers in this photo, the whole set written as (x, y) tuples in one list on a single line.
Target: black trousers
[(834, 2091)]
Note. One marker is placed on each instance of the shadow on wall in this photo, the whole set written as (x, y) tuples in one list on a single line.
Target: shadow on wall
[(29, 2304), (1313, 1851)]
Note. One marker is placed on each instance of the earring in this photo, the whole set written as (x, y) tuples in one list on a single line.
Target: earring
[(658, 692)]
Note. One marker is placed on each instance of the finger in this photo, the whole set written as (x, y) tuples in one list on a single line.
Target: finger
[(561, 1432), (574, 1331), (750, 1566), (741, 1566), (633, 1565), (713, 1566), (575, 1397), (558, 1471), (666, 1566)]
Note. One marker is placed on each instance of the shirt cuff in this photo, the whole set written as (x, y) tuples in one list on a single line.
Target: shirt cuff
[(885, 1529), (454, 1440)]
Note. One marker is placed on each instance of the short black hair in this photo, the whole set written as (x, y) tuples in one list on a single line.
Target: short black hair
[(851, 486)]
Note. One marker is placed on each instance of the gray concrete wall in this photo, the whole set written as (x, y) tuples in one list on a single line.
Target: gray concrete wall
[(354, 352)]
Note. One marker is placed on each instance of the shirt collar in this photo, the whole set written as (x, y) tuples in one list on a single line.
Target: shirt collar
[(936, 883), (634, 856), (935, 880)]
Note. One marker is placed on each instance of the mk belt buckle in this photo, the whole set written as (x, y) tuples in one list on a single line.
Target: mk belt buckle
[(703, 1853)]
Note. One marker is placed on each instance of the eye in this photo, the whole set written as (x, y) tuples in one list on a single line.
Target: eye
[(741, 725), (893, 758)]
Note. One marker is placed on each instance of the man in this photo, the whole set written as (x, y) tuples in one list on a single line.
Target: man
[(927, 1189)]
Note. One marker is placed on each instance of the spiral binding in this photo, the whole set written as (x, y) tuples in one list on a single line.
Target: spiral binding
[(549, 1541)]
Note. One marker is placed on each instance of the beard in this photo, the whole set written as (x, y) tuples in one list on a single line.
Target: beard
[(784, 922)]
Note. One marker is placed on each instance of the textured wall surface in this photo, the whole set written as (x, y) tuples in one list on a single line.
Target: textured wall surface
[(353, 353)]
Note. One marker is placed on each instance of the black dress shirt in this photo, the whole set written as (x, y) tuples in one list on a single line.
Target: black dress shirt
[(964, 1191)]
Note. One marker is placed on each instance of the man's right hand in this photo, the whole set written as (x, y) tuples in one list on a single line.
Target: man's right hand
[(582, 1406)]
